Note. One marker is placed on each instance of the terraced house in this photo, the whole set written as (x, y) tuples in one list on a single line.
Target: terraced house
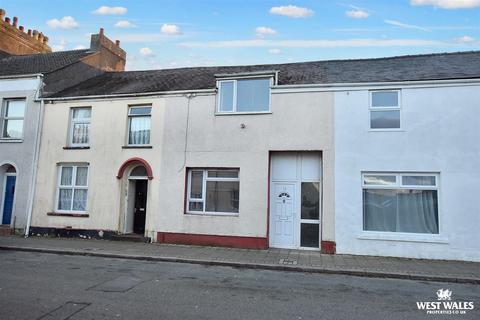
[(372, 156), (28, 71)]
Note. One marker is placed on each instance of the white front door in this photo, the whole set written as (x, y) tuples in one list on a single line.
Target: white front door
[(282, 224)]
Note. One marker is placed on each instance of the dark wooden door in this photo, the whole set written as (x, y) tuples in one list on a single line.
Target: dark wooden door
[(140, 206)]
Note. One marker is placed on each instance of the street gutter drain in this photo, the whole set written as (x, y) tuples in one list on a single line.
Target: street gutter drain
[(288, 261)]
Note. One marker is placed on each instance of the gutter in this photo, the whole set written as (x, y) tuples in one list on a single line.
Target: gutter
[(133, 95), (20, 76), (31, 194)]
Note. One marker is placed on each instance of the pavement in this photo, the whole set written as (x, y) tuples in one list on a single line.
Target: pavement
[(271, 259), (35, 285)]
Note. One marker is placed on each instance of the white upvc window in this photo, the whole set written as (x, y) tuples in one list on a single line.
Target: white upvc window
[(139, 125), (72, 188), (213, 191), (249, 95), (385, 110), (80, 126), (400, 202), (12, 116)]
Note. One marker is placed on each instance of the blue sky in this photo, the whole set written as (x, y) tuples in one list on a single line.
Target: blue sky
[(175, 33)]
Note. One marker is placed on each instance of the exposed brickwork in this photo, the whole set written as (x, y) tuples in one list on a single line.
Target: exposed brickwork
[(15, 41)]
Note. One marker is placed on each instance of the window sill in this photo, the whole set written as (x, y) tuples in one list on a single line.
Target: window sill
[(76, 148), (405, 237), (7, 140), (137, 147), (241, 113), (65, 214), (212, 214), (386, 130)]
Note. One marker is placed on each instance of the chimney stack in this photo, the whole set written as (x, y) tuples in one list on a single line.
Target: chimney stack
[(15, 41), (117, 43), (112, 55)]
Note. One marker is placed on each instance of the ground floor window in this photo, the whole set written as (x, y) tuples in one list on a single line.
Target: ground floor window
[(72, 188), (403, 202), (213, 191)]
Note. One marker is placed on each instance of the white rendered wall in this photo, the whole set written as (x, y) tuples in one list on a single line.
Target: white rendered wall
[(440, 133)]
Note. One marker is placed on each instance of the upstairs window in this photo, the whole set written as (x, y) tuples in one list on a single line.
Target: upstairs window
[(80, 127), (245, 95), (385, 109), (139, 125), (12, 118)]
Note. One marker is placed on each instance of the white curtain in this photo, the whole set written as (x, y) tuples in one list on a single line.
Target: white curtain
[(65, 199), (139, 130), (80, 133), (400, 210), (66, 179), (82, 174), (79, 200)]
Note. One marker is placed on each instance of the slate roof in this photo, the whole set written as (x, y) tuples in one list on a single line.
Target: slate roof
[(458, 65), (39, 63)]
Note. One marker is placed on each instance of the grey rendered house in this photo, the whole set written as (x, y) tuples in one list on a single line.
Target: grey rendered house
[(28, 70)]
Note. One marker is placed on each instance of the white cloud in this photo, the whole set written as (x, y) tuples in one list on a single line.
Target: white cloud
[(357, 14), (80, 47), (447, 4), (59, 46), (170, 29), (146, 52), (404, 25), (104, 10), (274, 51), (465, 39), (67, 22), (124, 24), (264, 31), (354, 43), (292, 11)]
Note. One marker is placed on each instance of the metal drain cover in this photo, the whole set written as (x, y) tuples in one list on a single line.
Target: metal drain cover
[(288, 261)]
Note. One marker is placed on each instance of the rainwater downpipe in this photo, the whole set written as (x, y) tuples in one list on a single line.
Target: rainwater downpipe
[(189, 96)]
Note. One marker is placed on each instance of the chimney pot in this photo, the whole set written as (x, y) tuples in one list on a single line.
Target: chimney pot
[(117, 43), (45, 40), (2, 14), (7, 20), (40, 37), (35, 34), (101, 31), (29, 32), (15, 21), (21, 28)]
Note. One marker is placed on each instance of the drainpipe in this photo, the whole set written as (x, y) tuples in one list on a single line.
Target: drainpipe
[(36, 155)]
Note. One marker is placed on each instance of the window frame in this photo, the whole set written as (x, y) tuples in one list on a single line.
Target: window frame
[(403, 236), (72, 187), (4, 118), (398, 108), (72, 126), (131, 116), (234, 106), (205, 178)]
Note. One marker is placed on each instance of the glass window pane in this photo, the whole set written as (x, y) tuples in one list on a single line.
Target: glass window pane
[(81, 113), (222, 196), (13, 129), (385, 99), (80, 133), (226, 96), (66, 176), (417, 211), (222, 174), (195, 206), (196, 185), (65, 199), (309, 235), (379, 210), (139, 171), (310, 200), (82, 175), (253, 95), (418, 180), (79, 200), (385, 119), (15, 108), (139, 130), (140, 111), (380, 180)]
